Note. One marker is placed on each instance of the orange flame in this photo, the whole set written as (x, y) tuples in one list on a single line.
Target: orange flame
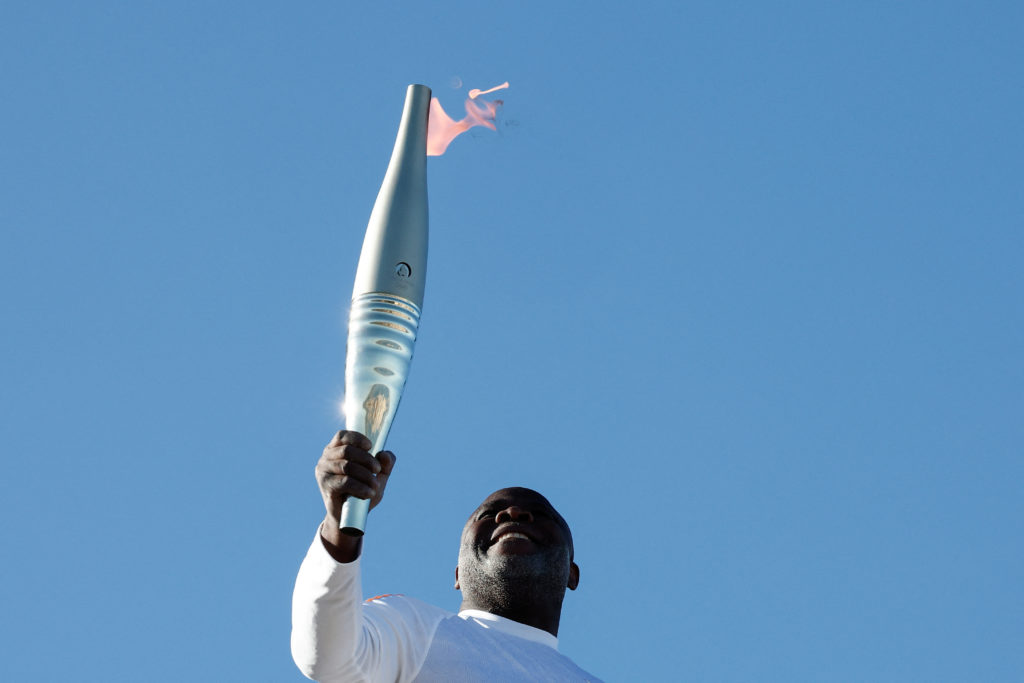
[(441, 129)]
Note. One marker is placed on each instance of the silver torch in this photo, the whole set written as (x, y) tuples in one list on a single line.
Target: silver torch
[(388, 292)]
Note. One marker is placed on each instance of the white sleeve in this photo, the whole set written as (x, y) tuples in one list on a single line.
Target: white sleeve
[(335, 637)]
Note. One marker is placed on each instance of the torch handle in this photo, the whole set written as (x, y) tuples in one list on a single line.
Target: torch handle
[(353, 516)]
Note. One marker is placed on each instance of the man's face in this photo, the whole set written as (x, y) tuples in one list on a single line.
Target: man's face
[(516, 534)]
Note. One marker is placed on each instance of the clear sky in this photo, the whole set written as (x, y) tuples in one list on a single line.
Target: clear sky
[(737, 285)]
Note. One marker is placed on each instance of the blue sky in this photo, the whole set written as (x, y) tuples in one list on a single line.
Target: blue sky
[(737, 285)]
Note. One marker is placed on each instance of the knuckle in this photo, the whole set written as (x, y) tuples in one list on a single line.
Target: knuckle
[(335, 484)]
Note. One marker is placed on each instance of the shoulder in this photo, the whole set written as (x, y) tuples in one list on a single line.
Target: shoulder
[(398, 606)]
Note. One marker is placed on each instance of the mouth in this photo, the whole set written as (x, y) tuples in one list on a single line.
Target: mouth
[(509, 533), (513, 535)]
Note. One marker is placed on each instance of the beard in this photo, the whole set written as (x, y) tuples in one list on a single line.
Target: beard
[(510, 582)]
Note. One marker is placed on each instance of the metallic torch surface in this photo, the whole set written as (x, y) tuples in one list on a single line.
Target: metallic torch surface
[(388, 292)]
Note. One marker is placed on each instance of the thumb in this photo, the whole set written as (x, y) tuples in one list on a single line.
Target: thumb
[(387, 461)]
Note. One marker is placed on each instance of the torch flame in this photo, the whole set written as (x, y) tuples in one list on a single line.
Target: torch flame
[(442, 129)]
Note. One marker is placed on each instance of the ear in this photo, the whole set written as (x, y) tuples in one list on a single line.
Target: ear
[(574, 576), (457, 587)]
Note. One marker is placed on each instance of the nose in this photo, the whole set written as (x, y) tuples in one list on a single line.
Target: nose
[(513, 513)]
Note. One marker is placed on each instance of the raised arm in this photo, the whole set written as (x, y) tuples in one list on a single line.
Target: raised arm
[(329, 638)]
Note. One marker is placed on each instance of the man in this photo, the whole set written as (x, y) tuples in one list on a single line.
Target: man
[(515, 562)]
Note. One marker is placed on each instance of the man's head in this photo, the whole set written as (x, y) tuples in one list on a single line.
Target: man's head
[(516, 554)]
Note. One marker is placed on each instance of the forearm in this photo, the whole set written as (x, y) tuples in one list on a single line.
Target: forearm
[(336, 637), (332, 637), (326, 615)]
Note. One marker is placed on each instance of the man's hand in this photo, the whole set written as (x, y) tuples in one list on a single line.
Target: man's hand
[(345, 469)]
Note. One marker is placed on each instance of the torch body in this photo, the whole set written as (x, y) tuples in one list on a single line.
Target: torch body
[(388, 292)]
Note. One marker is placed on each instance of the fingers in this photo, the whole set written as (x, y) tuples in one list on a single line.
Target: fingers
[(352, 454), (338, 487), (347, 468), (345, 437), (347, 471)]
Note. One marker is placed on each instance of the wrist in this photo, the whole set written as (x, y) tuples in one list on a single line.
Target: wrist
[(340, 546)]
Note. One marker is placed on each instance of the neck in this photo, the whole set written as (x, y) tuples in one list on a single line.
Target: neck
[(524, 606)]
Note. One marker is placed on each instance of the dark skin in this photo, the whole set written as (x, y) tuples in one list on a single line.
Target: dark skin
[(516, 558), (523, 548), (345, 469)]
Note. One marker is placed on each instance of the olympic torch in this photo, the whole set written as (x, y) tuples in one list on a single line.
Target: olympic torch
[(388, 292)]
